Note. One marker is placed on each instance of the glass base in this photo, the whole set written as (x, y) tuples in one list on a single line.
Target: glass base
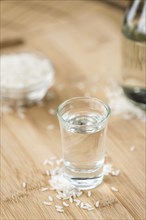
[(84, 183)]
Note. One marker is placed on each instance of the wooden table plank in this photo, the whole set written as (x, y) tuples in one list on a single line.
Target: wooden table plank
[(82, 38)]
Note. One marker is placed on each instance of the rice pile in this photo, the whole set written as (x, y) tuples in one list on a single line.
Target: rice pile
[(65, 192), (121, 105)]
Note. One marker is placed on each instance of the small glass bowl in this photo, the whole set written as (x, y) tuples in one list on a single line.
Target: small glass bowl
[(29, 94)]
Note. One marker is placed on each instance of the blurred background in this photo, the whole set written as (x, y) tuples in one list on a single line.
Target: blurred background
[(82, 38)]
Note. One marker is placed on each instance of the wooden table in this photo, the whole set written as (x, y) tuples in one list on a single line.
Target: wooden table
[(82, 38)]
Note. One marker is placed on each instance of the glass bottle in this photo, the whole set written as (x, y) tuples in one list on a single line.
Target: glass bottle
[(134, 52)]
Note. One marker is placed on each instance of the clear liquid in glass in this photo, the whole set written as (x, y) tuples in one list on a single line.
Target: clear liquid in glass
[(84, 147)]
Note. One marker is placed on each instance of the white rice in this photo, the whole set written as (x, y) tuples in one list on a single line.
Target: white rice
[(71, 200), (132, 148), (48, 172), (88, 205), (47, 203), (65, 204), (121, 105), (59, 210), (107, 169), (89, 193), (48, 162), (24, 185), (44, 189), (115, 172), (58, 207), (77, 201), (114, 189), (97, 204), (58, 197), (90, 209), (58, 162), (66, 191), (50, 198)]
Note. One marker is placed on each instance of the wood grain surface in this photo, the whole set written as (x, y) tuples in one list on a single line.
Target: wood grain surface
[(82, 39)]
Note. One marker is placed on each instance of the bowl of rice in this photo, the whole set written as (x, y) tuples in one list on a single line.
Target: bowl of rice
[(25, 78)]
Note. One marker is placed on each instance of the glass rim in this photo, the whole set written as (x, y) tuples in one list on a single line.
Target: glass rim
[(62, 105)]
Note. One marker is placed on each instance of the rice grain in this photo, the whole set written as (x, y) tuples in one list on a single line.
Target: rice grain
[(114, 189), (47, 203), (89, 193), (24, 185), (50, 198), (65, 204), (97, 204), (44, 189)]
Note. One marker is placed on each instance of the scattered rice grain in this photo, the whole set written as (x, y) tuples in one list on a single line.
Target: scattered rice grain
[(107, 169), (81, 205), (52, 189), (48, 162), (44, 189), (58, 207), (50, 198), (47, 203), (114, 189), (88, 205), (85, 207), (90, 209), (58, 162), (121, 105), (132, 148), (71, 200), (89, 193), (115, 172), (65, 204), (59, 210), (58, 197), (48, 172), (24, 185), (79, 194), (77, 201), (97, 204)]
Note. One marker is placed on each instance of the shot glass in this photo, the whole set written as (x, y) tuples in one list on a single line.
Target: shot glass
[(83, 123)]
